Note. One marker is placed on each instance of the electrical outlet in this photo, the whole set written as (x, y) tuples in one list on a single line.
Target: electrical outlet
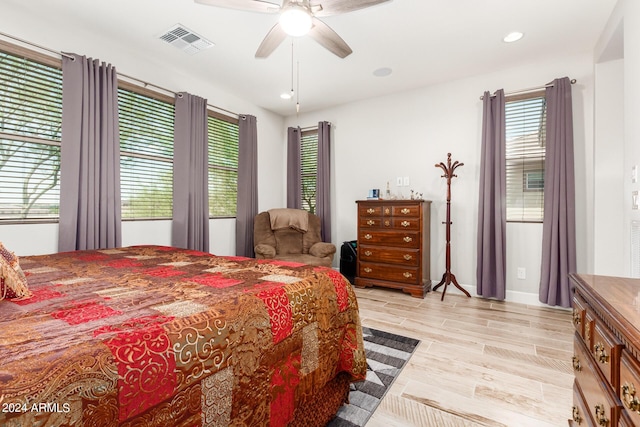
[(522, 273), (399, 181), (405, 181)]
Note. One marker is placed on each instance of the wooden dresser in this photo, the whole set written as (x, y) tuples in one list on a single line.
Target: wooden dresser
[(606, 361), (393, 245)]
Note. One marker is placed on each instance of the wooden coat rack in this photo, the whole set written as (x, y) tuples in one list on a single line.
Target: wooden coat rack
[(448, 277)]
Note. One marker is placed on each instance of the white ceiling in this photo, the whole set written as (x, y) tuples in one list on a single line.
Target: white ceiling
[(424, 42)]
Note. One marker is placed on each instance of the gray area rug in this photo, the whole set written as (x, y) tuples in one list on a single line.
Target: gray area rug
[(386, 356)]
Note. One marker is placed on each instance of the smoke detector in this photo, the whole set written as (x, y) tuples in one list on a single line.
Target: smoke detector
[(185, 39)]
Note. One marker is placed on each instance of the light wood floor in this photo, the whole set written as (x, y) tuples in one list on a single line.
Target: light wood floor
[(480, 362)]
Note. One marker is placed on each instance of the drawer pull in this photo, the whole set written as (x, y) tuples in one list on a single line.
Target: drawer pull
[(387, 223), (576, 317), (371, 211), (600, 353), (405, 223), (601, 416), (368, 253), (407, 239), (368, 236), (407, 274), (371, 222), (629, 397), (367, 270), (576, 364), (576, 415), (408, 257), (387, 211), (405, 211)]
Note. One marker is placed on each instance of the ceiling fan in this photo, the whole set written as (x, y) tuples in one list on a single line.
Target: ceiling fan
[(297, 18)]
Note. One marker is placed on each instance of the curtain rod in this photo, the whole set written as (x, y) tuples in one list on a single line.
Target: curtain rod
[(531, 89), (144, 83)]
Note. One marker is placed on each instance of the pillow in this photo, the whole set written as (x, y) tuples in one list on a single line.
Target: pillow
[(13, 282)]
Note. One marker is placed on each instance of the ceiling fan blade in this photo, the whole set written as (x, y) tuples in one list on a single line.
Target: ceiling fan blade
[(336, 7), (271, 41), (329, 39), (248, 5)]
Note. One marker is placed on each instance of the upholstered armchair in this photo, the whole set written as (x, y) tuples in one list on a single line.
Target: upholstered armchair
[(291, 235)]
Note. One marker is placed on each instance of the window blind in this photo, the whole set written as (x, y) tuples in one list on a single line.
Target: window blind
[(223, 167), (525, 123), (30, 128), (309, 168), (146, 156)]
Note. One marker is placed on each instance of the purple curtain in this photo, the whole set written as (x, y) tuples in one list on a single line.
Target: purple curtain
[(492, 211), (558, 229), (190, 226), (323, 185), (294, 180), (247, 185), (90, 209)]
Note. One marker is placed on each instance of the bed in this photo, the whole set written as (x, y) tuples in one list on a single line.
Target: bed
[(160, 336)]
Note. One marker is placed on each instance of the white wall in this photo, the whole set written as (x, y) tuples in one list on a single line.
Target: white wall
[(406, 134), (55, 33), (617, 56)]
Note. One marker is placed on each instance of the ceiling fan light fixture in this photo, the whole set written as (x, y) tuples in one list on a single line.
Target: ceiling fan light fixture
[(513, 36), (295, 21)]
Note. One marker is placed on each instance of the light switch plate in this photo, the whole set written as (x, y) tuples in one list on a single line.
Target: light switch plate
[(634, 200), (405, 181), (634, 174), (399, 181)]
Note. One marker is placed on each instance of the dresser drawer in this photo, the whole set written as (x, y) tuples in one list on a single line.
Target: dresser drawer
[(370, 222), (408, 257), (405, 223), (406, 211), (580, 416), (387, 272), (605, 349), (579, 310), (408, 239), (629, 391), (369, 210), (599, 401)]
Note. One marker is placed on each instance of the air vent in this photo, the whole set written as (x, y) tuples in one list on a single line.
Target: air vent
[(185, 39)]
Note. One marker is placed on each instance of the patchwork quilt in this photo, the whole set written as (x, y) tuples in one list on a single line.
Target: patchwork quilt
[(160, 336)]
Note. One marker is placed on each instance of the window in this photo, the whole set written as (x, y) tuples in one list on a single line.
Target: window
[(30, 128), (525, 121), (223, 166), (309, 168), (146, 155)]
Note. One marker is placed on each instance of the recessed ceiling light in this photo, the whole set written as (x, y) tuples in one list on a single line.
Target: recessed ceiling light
[(513, 37), (286, 95), (382, 72)]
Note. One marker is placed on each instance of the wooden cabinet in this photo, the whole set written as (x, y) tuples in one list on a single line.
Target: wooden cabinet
[(606, 316), (393, 245)]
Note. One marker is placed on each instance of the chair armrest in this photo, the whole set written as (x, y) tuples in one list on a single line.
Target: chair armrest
[(267, 251), (322, 249)]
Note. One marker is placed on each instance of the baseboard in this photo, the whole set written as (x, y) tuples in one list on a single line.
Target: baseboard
[(511, 296)]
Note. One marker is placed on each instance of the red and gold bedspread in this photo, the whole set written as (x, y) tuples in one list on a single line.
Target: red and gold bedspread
[(152, 335)]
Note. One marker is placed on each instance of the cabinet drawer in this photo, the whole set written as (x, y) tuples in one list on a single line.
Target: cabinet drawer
[(408, 257), (391, 273), (605, 349), (600, 402), (629, 391), (409, 239), (406, 211), (369, 210), (580, 416), (579, 310)]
